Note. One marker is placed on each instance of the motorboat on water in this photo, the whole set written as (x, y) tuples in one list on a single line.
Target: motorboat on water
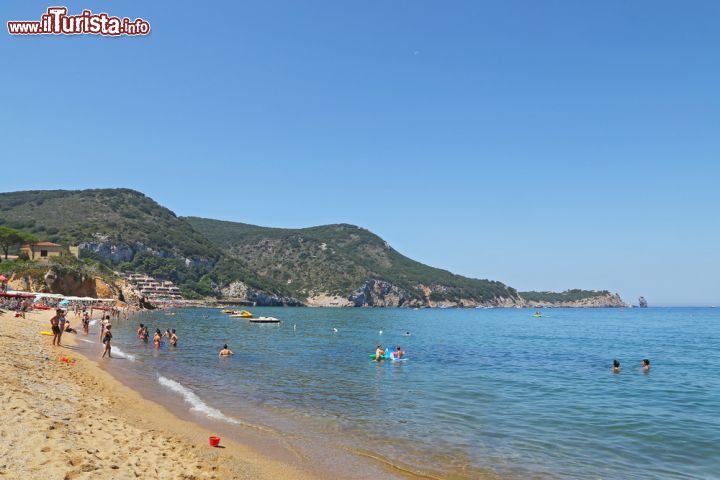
[(264, 320)]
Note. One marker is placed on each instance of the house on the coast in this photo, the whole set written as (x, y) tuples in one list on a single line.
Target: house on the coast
[(40, 250)]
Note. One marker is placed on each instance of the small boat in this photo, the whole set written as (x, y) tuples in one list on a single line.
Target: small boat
[(264, 320), (227, 311), (242, 314)]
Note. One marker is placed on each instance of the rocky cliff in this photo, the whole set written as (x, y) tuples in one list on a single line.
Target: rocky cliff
[(573, 299), (70, 283), (245, 294)]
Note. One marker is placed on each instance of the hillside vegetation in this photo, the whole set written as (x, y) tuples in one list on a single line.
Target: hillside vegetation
[(566, 296), (124, 230), (117, 216), (338, 259)]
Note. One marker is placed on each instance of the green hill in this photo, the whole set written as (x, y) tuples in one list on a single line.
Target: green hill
[(339, 259), (327, 265), (566, 296), (111, 216), (129, 231)]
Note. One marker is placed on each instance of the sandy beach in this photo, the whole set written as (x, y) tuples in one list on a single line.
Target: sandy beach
[(73, 420)]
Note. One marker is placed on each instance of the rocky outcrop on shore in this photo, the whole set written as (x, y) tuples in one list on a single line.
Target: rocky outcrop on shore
[(606, 300), (377, 293), (242, 293), (54, 280)]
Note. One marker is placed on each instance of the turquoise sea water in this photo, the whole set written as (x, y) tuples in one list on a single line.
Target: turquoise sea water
[(482, 390)]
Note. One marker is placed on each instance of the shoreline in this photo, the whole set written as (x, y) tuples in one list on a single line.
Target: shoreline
[(76, 420)]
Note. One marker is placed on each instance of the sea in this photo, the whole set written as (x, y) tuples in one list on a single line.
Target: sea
[(482, 393)]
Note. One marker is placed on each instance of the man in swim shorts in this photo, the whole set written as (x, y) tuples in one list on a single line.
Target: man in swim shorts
[(55, 325), (226, 352)]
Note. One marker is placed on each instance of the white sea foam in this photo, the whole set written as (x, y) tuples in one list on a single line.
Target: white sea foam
[(93, 322), (120, 354), (195, 402), (85, 340)]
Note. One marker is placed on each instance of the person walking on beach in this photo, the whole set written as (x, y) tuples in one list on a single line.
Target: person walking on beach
[(226, 352), (55, 326), (107, 337), (173, 338)]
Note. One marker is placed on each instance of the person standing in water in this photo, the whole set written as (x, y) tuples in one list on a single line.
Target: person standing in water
[(616, 366), (398, 353), (646, 365), (157, 338), (173, 338), (104, 323), (225, 352), (86, 323), (107, 337), (61, 324)]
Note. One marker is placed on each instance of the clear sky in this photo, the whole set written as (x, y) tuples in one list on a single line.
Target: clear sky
[(546, 144)]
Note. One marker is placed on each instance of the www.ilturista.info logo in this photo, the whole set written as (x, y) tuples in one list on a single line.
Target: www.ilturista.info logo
[(57, 22)]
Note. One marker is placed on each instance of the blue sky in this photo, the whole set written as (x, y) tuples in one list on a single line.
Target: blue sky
[(546, 144)]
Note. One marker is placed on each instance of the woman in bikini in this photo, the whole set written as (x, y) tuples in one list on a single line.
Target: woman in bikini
[(107, 337)]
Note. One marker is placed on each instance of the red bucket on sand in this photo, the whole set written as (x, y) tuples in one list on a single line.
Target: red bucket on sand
[(214, 441)]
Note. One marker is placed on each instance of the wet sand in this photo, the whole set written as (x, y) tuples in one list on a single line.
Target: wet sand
[(67, 421)]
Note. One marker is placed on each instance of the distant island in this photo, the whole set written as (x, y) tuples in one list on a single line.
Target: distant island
[(121, 233)]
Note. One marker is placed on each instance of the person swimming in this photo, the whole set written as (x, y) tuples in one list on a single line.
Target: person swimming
[(379, 353), (398, 353), (225, 352), (646, 365), (407, 334), (616, 366)]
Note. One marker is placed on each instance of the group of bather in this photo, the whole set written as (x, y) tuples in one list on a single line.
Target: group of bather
[(170, 333), (397, 354), (645, 365)]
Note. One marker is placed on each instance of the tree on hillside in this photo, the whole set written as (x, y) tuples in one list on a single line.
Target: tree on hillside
[(9, 237)]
